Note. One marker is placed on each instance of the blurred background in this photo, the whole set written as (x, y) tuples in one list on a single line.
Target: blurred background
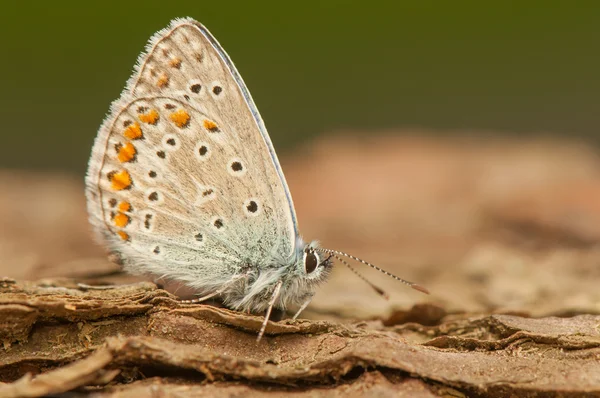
[(453, 143), (505, 67)]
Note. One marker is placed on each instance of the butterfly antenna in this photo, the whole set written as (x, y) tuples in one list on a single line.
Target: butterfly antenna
[(411, 284), (377, 289), (268, 314)]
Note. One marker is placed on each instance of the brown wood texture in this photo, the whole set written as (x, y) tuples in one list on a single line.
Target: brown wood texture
[(504, 233)]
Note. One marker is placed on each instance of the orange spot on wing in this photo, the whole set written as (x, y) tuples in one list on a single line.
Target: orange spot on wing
[(124, 206), (123, 235), (175, 62), (211, 126), (180, 117), (133, 132), (163, 80), (121, 220), (126, 153), (150, 117), (120, 180)]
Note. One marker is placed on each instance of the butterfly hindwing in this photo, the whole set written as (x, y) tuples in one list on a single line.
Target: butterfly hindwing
[(183, 176)]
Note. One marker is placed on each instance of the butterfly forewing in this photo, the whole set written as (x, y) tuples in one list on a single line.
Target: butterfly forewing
[(183, 172)]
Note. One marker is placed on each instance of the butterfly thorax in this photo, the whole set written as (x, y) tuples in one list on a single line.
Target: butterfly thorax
[(252, 288)]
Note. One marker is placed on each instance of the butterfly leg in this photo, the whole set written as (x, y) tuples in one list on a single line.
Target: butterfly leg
[(215, 293), (268, 314), (303, 306), (204, 298), (85, 287)]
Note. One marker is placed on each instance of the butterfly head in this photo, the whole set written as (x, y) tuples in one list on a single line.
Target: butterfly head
[(300, 277), (314, 264)]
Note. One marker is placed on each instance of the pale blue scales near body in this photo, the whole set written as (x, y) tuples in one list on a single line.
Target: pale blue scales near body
[(184, 183)]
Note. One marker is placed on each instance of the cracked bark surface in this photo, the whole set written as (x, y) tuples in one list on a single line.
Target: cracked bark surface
[(504, 234)]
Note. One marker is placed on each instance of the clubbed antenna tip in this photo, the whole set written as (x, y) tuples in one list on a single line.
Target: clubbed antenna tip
[(420, 288), (380, 292)]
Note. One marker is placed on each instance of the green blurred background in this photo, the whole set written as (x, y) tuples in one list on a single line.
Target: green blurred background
[(509, 67)]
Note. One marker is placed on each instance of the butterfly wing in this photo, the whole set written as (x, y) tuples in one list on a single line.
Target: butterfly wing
[(183, 178)]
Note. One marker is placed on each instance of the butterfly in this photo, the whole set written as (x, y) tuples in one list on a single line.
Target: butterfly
[(184, 183)]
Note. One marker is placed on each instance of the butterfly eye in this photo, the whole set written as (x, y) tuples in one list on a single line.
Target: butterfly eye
[(311, 260)]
